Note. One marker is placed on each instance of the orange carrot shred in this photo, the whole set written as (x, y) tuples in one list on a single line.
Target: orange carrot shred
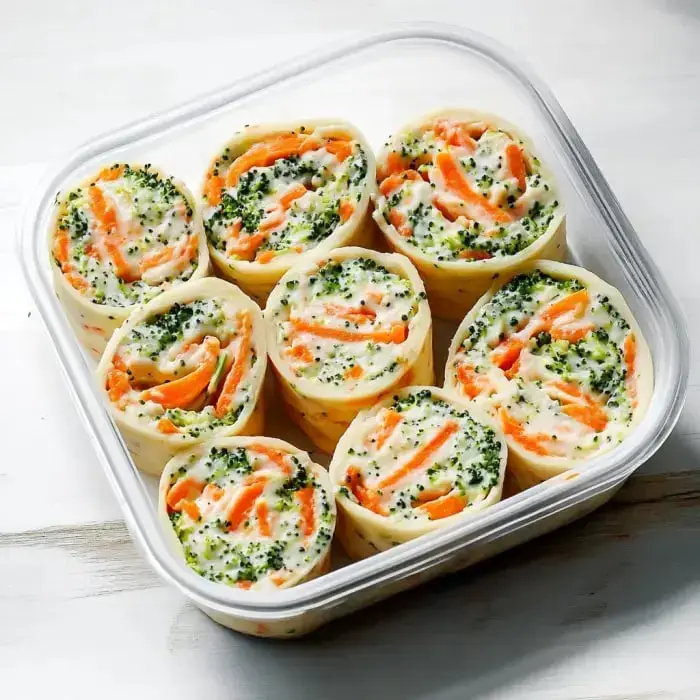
[(392, 183), (261, 513), (457, 184), (354, 372), (400, 223), (516, 164), (444, 507), (243, 505), (277, 456), (306, 501), (471, 381), (388, 422), (396, 334), (367, 498), (166, 426), (532, 442), (421, 456), (235, 374), (265, 257), (185, 489), (300, 352), (191, 508), (345, 210), (183, 391)]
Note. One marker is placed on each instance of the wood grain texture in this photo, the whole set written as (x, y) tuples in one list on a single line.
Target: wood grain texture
[(595, 589), (607, 608)]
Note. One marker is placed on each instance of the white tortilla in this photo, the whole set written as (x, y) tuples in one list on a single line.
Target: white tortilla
[(527, 468), (257, 279), (324, 412), (149, 448), (454, 286), (363, 532), (93, 323)]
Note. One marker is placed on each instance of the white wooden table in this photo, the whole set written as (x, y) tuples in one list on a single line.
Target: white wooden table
[(608, 608)]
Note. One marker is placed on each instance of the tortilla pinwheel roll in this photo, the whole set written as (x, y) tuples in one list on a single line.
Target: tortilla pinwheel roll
[(255, 513), (274, 194), (464, 196), (556, 356), (415, 462), (119, 239), (343, 330), (185, 368)]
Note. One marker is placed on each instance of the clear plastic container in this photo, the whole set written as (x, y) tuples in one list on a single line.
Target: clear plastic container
[(379, 82)]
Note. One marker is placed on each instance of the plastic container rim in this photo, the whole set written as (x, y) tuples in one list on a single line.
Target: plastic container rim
[(602, 473)]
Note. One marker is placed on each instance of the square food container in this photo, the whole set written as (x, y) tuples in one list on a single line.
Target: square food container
[(378, 82)]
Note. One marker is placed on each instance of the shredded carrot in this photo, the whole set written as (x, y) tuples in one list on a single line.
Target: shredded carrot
[(277, 456), (394, 164), (534, 442), (262, 154), (213, 492), (356, 314), (181, 392), (455, 133), (516, 164), (366, 497), (213, 187), (354, 372), (392, 183), (375, 296), (421, 456), (591, 415), (245, 585), (340, 148), (457, 184), (432, 494), (300, 352), (577, 301), (345, 210), (387, 424), (243, 505), (166, 426), (106, 216), (451, 504), (396, 334), (400, 223), (475, 255), (61, 247), (629, 349), (292, 194), (181, 251), (278, 579), (471, 381), (246, 246), (110, 173), (235, 374), (507, 353), (306, 501), (571, 332), (185, 489), (265, 257), (452, 209), (117, 385), (273, 219), (61, 250), (76, 281), (513, 370), (191, 508), (261, 513)]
